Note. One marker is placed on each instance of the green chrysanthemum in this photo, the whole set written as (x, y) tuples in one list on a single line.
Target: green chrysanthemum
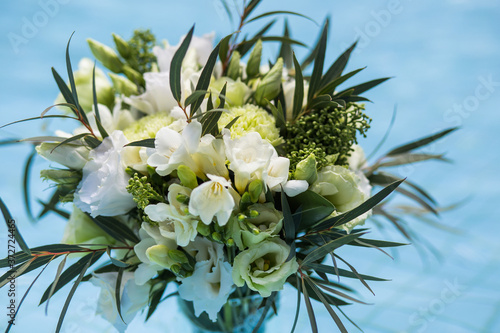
[(252, 119), (147, 127)]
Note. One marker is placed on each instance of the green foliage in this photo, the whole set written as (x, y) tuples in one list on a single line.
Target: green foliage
[(142, 191), (327, 132), (140, 47)]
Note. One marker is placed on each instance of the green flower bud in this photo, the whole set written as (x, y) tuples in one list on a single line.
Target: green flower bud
[(236, 91), (217, 237), (123, 85), (176, 269), (233, 71), (269, 87), (62, 177), (230, 242), (182, 198), (187, 176), (241, 217), (203, 229), (122, 46), (253, 213), (178, 256), (255, 189), (80, 229), (306, 169), (133, 75), (253, 65), (106, 55), (159, 255)]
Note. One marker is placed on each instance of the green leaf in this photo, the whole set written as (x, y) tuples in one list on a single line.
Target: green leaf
[(63, 88), (314, 208), (329, 87), (148, 143), (176, 66), (269, 302), (361, 88), (420, 143), (70, 273), (101, 129), (286, 51), (24, 268), (341, 272), (56, 280), (310, 311), (298, 95), (224, 48), (36, 118), (206, 75), (297, 309), (210, 119), (336, 69), (377, 243), (322, 251), (288, 223), (273, 39), (232, 122), (119, 279), (20, 256), (11, 226), (384, 178), (194, 98), (332, 313), (92, 141), (245, 46), (314, 83), (72, 83), (276, 12), (309, 59), (115, 229), (68, 140), (155, 297), (71, 293), (249, 9), (278, 115), (26, 184), (408, 158), (360, 210)]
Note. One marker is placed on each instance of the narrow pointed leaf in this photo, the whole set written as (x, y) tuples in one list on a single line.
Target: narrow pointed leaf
[(310, 58), (11, 226), (319, 61), (329, 88), (206, 75), (298, 95), (115, 229), (101, 129), (276, 12), (26, 184), (329, 247), (36, 118), (148, 143), (335, 71), (54, 283), (361, 88), (176, 65), (310, 311), (421, 142)]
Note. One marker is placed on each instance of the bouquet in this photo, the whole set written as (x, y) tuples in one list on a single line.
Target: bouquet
[(228, 178)]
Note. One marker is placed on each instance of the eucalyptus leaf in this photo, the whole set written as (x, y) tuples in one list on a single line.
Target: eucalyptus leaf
[(176, 65)]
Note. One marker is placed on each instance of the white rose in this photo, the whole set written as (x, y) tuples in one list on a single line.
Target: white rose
[(102, 190), (345, 190), (133, 298), (211, 282)]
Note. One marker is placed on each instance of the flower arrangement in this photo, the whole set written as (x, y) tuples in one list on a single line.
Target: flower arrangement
[(225, 177)]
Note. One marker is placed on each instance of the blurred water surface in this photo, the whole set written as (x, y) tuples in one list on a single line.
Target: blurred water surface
[(444, 57)]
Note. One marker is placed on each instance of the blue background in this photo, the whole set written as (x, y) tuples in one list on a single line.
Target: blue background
[(442, 55)]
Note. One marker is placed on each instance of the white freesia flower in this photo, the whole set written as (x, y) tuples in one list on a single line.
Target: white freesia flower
[(102, 190), (211, 282), (212, 198), (172, 223), (277, 177), (203, 155), (249, 157), (133, 298), (345, 190), (152, 251)]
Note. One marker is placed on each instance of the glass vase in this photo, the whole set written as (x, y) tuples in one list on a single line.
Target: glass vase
[(240, 314)]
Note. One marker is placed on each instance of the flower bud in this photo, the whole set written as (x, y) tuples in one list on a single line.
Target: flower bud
[(233, 71), (253, 65), (255, 189), (217, 237), (203, 229), (182, 198), (253, 213), (230, 242), (269, 87), (176, 269), (62, 177), (187, 176), (178, 256), (122, 46), (133, 75), (106, 55), (237, 92), (306, 169), (71, 156), (123, 85), (159, 255)]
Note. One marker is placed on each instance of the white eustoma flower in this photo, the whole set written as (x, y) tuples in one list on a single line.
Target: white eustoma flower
[(212, 198), (277, 177), (152, 251), (102, 190), (211, 282), (173, 224), (249, 157), (133, 298)]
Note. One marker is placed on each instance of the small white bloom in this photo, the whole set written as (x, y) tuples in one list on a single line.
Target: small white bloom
[(211, 282), (212, 198), (152, 251), (172, 223), (277, 177), (102, 190), (249, 157), (133, 298)]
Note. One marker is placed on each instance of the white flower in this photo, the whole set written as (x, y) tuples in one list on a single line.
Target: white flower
[(277, 177), (102, 190), (345, 190), (70, 155), (289, 92), (157, 97), (212, 198), (172, 224), (198, 52), (133, 298), (211, 282), (249, 157), (357, 160), (152, 251), (80, 229)]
